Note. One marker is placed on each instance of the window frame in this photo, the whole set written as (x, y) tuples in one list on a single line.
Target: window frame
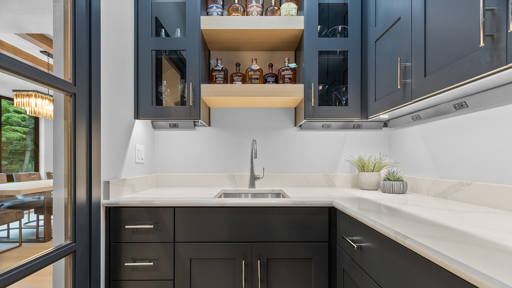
[(86, 144), (10, 178)]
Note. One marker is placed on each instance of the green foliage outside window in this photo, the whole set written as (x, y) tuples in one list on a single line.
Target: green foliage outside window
[(18, 139)]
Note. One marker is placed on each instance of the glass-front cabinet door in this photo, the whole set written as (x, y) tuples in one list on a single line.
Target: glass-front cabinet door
[(168, 60), (333, 60)]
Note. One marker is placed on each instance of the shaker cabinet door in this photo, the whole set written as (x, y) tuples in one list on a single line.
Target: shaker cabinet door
[(213, 266), (456, 40), (388, 67), (350, 275), (290, 265)]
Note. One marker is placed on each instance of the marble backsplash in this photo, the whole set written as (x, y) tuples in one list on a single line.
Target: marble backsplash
[(483, 194)]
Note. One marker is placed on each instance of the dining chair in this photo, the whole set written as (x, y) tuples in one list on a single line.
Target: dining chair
[(49, 175), (8, 217), (26, 176)]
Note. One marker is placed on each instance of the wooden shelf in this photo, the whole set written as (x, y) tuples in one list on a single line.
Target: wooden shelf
[(252, 95), (252, 33)]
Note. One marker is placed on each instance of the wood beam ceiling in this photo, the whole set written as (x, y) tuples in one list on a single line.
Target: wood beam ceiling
[(39, 40), (10, 50)]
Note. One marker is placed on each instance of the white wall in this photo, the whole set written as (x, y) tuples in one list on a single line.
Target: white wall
[(225, 147), (474, 147)]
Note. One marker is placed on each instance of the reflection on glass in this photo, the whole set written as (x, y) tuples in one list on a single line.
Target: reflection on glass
[(36, 150), (333, 78), (169, 78), (39, 34), (333, 18), (59, 274), (168, 18)]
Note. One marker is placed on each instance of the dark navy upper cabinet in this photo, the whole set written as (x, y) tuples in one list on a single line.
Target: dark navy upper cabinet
[(388, 54), (168, 60), (456, 40), (332, 57)]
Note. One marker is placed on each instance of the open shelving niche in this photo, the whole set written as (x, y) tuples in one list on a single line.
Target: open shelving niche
[(239, 39)]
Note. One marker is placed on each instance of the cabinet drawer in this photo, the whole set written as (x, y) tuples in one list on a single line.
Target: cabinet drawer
[(389, 263), (350, 275), (252, 224), (161, 255), (142, 225), (139, 284)]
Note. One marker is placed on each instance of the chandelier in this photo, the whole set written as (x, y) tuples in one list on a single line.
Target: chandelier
[(36, 103)]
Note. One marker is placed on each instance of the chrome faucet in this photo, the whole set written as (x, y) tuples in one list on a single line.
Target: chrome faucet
[(253, 177)]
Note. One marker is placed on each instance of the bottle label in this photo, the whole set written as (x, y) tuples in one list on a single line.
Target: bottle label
[(254, 77), (289, 9), (219, 77), (271, 79), (254, 10), (215, 10), (286, 77), (237, 79)]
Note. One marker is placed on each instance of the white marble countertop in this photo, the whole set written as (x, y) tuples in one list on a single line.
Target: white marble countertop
[(471, 241)]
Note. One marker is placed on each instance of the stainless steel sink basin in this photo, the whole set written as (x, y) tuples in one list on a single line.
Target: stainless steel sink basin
[(251, 193)]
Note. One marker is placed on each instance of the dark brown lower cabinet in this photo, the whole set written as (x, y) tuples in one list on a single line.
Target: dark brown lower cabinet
[(213, 265), (284, 265), (141, 284), (249, 265), (350, 275)]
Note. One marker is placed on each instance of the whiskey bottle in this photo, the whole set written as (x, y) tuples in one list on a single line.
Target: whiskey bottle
[(215, 7), (270, 77), (289, 7), (254, 74), (273, 10), (254, 7), (219, 74), (286, 74), (237, 77), (236, 9)]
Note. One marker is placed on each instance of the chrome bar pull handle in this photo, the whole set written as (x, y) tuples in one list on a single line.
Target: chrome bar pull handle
[(482, 23), (509, 11), (139, 264), (400, 65), (313, 94), (191, 94), (243, 273), (350, 242), (138, 226), (259, 274)]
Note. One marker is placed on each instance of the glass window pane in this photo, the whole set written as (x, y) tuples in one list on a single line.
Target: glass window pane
[(333, 18), (35, 151), (169, 78), (168, 18), (57, 275), (333, 78), (39, 34)]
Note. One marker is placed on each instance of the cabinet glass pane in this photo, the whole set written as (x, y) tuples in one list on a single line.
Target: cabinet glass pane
[(333, 18), (168, 18), (169, 77), (333, 78)]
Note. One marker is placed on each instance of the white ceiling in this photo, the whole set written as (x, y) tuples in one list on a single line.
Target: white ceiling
[(26, 16), (9, 83), (23, 45)]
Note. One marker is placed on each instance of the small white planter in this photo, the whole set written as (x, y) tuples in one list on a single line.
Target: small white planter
[(369, 180), (393, 187)]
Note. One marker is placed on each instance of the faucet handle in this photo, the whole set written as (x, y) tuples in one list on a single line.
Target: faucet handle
[(262, 176)]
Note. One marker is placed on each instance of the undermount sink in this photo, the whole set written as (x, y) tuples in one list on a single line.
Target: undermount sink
[(251, 193)]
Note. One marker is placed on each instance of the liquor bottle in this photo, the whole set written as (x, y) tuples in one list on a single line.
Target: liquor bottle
[(219, 73), (273, 10), (236, 9), (289, 7), (254, 74), (254, 7), (270, 77), (215, 7), (237, 77), (286, 74)]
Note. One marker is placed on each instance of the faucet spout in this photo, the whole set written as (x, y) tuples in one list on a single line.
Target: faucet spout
[(254, 155)]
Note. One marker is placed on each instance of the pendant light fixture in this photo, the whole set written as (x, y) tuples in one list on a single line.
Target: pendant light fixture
[(36, 103)]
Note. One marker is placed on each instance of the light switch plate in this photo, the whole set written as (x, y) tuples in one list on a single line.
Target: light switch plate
[(139, 154)]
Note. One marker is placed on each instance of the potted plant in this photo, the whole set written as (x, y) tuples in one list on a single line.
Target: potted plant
[(369, 167), (393, 182)]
